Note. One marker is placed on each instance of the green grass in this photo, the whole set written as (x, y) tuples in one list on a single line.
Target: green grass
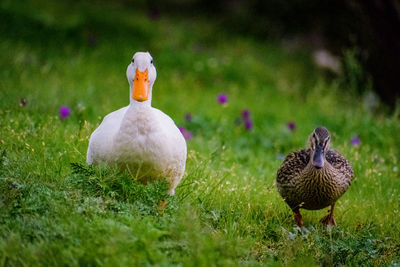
[(55, 210)]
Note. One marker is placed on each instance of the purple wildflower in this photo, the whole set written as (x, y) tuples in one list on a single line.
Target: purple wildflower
[(222, 98), (355, 141), (64, 112), (248, 124), (246, 114), (188, 117), (291, 126), (186, 133), (23, 102)]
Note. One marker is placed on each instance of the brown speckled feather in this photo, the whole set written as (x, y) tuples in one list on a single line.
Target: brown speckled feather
[(341, 164), (292, 166)]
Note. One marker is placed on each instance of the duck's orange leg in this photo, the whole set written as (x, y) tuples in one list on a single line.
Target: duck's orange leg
[(298, 218), (329, 219)]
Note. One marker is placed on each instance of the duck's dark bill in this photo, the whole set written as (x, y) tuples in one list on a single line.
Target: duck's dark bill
[(318, 158)]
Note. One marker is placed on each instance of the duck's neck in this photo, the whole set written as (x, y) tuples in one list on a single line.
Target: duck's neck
[(135, 104), (311, 171)]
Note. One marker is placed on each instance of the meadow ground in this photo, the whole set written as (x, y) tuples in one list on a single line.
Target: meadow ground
[(57, 211)]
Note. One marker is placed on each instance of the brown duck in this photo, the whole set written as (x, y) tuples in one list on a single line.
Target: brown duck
[(314, 178)]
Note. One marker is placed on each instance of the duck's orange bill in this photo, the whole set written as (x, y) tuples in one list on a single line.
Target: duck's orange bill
[(140, 88)]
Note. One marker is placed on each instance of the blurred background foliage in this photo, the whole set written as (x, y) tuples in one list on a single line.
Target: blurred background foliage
[(363, 35), (368, 28)]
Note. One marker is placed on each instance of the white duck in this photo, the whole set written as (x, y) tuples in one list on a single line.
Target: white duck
[(138, 137)]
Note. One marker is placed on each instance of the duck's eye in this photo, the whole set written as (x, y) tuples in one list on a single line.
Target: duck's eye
[(133, 60), (326, 142), (151, 61)]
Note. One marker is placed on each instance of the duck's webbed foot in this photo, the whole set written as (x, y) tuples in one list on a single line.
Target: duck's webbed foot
[(298, 218), (329, 219)]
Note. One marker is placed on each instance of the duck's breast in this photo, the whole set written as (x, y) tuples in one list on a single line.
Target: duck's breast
[(318, 189), (149, 138), (101, 141)]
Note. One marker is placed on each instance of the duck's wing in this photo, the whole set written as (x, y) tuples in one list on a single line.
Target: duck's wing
[(292, 166), (171, 130), (341, 164), (288, 175), (100, 143)]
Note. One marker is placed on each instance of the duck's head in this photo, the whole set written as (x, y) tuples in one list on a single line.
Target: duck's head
[(141, 75), (319, 143)]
